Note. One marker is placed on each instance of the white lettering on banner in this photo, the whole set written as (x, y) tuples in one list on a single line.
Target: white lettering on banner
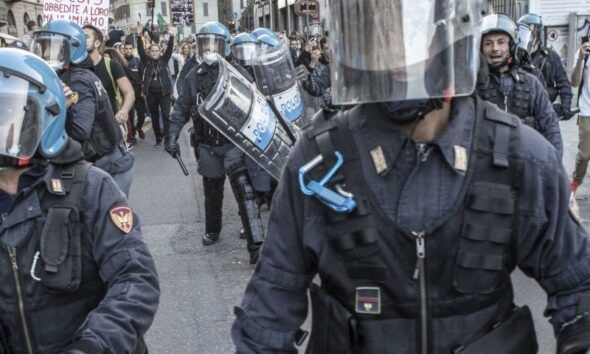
[(94, 12)]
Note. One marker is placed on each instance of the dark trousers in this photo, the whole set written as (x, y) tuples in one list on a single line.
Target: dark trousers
[(139, 106), (158, 102)]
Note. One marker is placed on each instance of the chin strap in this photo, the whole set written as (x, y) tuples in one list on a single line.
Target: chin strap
[(7, 161)]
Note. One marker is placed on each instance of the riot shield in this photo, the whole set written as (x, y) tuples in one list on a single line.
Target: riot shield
[(277, 79), (240, 112)]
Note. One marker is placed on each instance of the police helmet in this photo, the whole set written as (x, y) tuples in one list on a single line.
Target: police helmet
[(32, 108), (268, 40), (213, 37), (534, 22), (261, 30), (59, 43), (502, 23), (427, 51), (243, 49)]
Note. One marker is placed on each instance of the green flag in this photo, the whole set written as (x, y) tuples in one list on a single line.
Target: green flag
[(162, 23)]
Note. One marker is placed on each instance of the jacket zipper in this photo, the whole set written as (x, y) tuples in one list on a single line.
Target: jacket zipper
[(505, 102), (21, 305), (420, 274)]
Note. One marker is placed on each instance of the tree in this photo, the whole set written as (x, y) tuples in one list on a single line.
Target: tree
[(224, 8)]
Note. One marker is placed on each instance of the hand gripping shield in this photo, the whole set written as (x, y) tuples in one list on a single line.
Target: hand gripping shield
[(277, 79), (240, 112)]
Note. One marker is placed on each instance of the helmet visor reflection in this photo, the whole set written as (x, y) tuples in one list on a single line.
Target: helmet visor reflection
[(20, 118), (245, 53), (391, 50), (53, 48), (210, 43)]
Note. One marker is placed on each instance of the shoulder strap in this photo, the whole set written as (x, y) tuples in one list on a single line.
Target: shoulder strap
[(353, 235), (501, 145), (107, 62), (66, 187), (61, 205)]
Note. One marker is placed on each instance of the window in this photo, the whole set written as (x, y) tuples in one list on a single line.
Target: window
[(205, 9), (39, 20), (26, 18), (241, 4), (164, 9), (11, 24)]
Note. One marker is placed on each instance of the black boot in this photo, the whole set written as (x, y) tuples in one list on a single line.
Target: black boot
[(249, 213), (210, 238), (213, 188)]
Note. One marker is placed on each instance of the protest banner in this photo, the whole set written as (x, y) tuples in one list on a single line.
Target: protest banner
[(94, 12)]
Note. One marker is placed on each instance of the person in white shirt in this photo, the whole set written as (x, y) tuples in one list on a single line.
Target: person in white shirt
[(581, 78)]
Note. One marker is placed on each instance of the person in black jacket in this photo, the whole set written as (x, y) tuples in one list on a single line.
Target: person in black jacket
[(134, 71), (157, 85)]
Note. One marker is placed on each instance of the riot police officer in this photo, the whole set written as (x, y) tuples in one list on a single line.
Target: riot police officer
[(75, 275), (524, 49), (91, 122), (511, 88), (549, 63), (216, 156), (243, 49), (414, 206)]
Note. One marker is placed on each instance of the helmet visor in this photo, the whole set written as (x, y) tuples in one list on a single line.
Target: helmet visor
[(53, 48), (274, 70), (245, 53), (210, 43), (20, 118), (390, 50), (527, 38)]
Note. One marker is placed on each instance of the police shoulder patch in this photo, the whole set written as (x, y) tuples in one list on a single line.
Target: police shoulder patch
[(122, 217)]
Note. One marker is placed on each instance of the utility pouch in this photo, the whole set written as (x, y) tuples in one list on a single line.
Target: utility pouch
[(515, 335), (333, 326), (60, 266)]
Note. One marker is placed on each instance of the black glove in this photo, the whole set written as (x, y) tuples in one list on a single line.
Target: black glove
[(567, 115), (558, 108), (171, 146)]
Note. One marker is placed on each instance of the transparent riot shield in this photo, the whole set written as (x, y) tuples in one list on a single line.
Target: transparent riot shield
[(240, 112), (277, 79)]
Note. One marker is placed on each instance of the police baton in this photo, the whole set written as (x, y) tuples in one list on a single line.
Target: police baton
[(569, 115), (181, 163)]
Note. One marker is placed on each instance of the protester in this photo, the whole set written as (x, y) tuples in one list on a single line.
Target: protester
[(580, 79), (157, 85)]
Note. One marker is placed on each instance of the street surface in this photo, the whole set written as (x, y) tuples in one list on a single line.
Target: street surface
[(201, 285)]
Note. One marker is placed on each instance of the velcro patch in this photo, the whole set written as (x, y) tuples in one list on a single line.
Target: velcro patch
[(368, 300), (122, 217)]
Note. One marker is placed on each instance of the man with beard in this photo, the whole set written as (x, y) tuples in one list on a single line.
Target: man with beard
[(511, 88)]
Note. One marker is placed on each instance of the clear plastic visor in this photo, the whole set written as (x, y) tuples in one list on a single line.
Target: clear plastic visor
[(527, 37), (210, 43), (388, 50), (245, 53), (53, 48), (274, 70), (20, 118)]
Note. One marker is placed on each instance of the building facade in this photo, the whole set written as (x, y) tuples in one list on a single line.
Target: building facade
[(128, 13), (280, 15), (14, 15)]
